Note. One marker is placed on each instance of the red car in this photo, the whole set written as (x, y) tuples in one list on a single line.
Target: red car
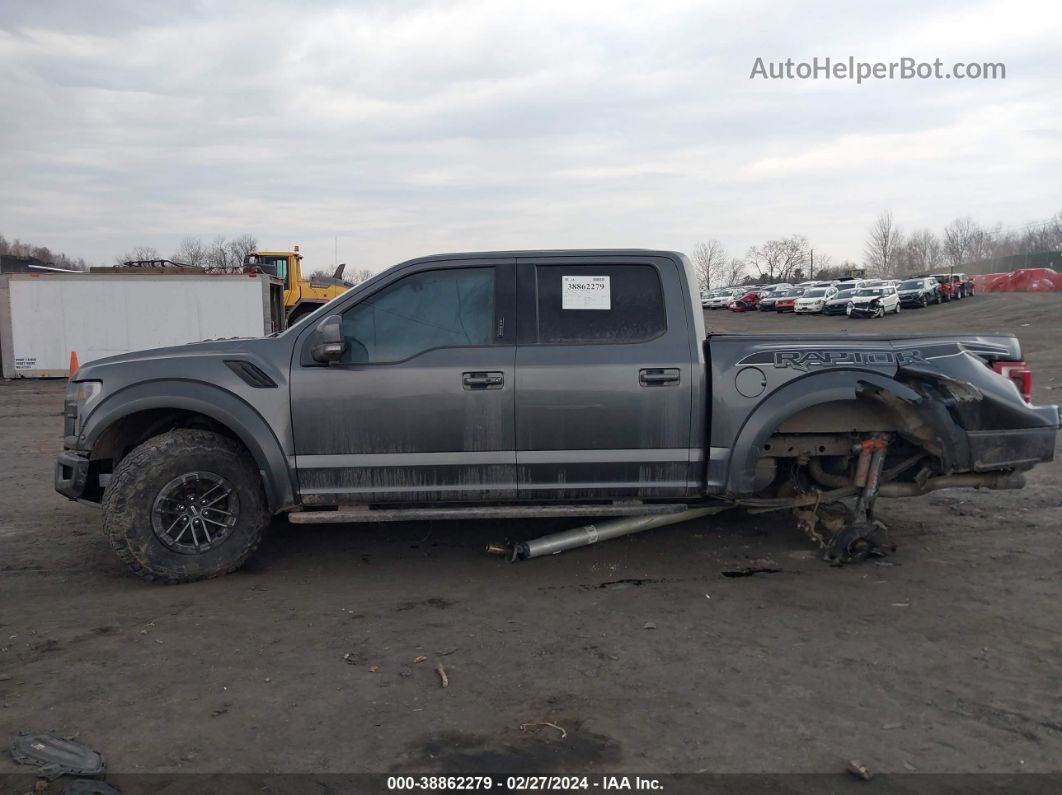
[(953, 287), (787, 302), (747, 302)]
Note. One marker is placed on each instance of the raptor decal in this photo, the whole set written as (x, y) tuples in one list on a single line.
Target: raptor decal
[(805, 360)]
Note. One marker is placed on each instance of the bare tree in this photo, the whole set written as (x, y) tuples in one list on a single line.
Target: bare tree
[(779, 260), (823, 268), (982, 243), (356, 277), (138, 253), (732, 272), (708, 260), (920, 253), (766, 259), (192, 251), (796, 254), (237, 250), (958, 241), (882, 248)]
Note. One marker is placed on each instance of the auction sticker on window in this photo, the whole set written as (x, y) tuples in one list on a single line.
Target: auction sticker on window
[(586, 292)]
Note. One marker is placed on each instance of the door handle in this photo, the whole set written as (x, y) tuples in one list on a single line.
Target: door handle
[(658, 376), (482, 380)]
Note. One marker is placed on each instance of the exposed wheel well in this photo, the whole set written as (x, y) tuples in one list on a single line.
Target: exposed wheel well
[(823, 435), (125, 434)]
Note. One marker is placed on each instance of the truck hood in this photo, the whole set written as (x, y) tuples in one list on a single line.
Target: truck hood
[(205, 349)]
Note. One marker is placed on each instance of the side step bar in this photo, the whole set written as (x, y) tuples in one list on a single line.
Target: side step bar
[(359, 515)]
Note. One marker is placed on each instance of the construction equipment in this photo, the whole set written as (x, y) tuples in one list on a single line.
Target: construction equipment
[(300, 296)]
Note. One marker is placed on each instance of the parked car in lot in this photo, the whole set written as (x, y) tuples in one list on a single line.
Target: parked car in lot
[(749, 301), (919, 292), (838, 304), (874, 302), (952, 285), (722, 299), (786, 302), (766, 303), (532, 384), (968, 286), (814, 300)]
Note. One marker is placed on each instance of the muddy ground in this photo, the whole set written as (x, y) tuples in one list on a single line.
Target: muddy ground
[(945, 657)]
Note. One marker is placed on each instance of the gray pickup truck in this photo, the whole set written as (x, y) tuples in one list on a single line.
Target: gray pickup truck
[(525, 384)]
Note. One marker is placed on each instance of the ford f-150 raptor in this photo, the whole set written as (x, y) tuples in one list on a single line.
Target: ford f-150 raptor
[(536, 383)]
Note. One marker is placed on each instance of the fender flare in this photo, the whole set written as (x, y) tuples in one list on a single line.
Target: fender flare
[(211, 401), (797, 395)]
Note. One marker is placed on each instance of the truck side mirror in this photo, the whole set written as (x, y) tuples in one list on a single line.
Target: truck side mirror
[(327, 344)]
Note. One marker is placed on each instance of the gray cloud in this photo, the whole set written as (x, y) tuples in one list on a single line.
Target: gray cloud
[(407, 128)]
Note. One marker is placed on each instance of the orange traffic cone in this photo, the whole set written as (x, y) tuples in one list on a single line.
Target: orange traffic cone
[(73, 365)]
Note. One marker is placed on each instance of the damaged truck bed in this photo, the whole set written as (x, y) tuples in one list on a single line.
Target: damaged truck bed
[(544, 383)]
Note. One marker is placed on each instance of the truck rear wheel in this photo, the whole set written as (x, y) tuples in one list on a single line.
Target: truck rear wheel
[(183, 506)]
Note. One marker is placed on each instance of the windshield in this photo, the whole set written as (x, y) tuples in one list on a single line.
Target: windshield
[(815, 294), (845, 294), (871, 291), (795, 293), (911, 284), (273, 265)]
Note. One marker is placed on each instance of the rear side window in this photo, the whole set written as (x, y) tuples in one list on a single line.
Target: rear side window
[(446, 308), (599, 303)]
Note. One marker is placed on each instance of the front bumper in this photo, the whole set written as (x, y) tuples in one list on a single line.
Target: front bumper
[(912, 300), (837, 309), (808, 310), (862, 311), (71, 473)]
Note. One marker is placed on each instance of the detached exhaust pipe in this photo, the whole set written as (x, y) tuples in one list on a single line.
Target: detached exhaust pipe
[(592, 533)]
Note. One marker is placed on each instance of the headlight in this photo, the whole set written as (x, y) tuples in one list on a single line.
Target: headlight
[(87, 391)]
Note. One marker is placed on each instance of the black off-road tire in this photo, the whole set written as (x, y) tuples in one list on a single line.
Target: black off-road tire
[(129, 498)]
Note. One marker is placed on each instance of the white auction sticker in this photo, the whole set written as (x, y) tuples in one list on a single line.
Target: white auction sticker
[(586, 292)]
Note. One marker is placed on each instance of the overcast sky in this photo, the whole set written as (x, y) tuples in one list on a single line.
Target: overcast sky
[(412, 128)]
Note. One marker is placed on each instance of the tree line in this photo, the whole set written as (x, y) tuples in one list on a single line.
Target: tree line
[(57, 259), (785, 259), (220, 254), (889, 252)]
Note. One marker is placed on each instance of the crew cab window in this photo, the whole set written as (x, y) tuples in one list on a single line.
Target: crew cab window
[(447, 308), (599, 303)]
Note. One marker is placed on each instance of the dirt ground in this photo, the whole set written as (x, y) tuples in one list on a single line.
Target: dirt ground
[(944, 657)]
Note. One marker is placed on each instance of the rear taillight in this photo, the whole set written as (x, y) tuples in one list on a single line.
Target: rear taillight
[(1020, 374)]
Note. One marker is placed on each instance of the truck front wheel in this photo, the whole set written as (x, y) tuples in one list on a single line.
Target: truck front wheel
[(183, 506)]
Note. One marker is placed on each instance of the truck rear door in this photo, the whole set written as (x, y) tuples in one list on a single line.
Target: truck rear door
[(603, 378)]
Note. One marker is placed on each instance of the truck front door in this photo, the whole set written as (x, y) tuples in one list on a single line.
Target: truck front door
[(421, 405), (604, 379)]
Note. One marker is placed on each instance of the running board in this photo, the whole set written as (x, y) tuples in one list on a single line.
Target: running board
[(357, 516)]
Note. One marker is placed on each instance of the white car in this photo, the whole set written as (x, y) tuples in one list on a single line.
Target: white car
[(873, 302), (812, 301), (723, 299)]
